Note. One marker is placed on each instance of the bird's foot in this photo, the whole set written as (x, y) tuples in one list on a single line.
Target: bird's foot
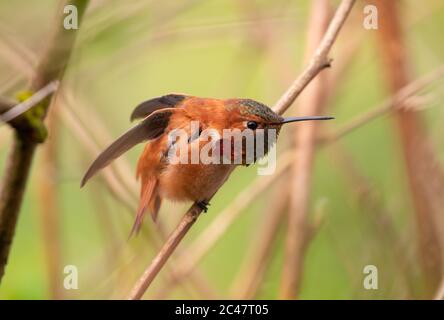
[(203, 205)]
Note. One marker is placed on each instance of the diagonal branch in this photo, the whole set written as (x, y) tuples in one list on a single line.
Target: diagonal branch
[(11, 112), (316, 65), (203, 244)]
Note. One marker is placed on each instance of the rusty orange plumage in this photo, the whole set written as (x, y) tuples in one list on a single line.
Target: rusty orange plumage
[(184, 181)]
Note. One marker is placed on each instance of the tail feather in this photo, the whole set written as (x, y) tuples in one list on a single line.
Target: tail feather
[(154, 206), (148, 200)]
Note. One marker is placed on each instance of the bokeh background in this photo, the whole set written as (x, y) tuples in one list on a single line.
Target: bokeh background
[(129, 51)]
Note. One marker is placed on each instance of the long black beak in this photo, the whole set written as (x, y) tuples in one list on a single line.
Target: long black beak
[(294, 119)]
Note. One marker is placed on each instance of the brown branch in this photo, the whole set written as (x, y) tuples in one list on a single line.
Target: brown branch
[(317, 63), (305, 140), (424, 172), (13, 187), (28, 133), (165, 252)]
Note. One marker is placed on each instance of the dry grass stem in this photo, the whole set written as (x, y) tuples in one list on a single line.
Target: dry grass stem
[(312, 101), (424, 172), (390, 104), (250, 277), (49, 209)]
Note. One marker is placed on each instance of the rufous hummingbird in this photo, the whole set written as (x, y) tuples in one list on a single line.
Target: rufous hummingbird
[(185, 181)]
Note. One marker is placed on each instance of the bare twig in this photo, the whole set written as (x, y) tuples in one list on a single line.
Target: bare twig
[(319, 62), (24, 106), (165, 252)]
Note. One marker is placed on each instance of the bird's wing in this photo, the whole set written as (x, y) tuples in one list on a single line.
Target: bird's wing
[(150, 128), (144, 109)]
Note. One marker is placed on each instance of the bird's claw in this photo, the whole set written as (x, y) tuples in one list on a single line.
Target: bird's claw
[(203, 205)]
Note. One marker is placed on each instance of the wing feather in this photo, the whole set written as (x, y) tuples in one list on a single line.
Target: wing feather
[(149, 128), (147, 107)]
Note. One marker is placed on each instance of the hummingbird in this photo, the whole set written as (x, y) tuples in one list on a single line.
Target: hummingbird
[(195, 182)]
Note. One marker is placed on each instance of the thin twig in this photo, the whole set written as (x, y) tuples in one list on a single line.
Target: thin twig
[(24, 106), (317, 63)]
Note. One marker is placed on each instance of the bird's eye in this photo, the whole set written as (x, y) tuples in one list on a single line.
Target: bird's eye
[(252, 125)]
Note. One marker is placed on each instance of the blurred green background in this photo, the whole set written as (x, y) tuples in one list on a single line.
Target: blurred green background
[(129, 51)]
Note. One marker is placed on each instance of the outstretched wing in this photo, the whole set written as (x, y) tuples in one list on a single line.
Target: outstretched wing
[(144, 109), (150, 128)]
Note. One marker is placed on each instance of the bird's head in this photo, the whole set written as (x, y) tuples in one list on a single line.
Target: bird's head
[(248, 115)]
